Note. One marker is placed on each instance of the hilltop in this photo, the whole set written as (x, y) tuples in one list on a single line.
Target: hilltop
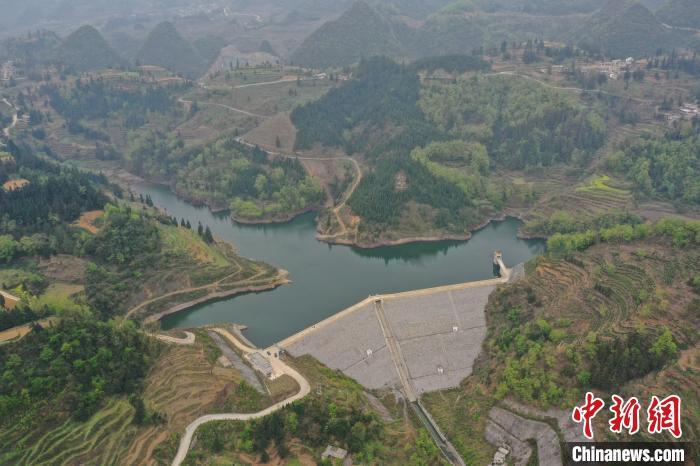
[(86, 49), (624, 27), (681, 13), (540, 7), (167, 48), (359, 32)]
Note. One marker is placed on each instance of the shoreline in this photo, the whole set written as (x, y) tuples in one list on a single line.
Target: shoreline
[(216, 209), (418, 239), (282, 279), (346, 242)]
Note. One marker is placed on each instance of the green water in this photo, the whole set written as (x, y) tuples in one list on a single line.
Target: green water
[(327, 279)]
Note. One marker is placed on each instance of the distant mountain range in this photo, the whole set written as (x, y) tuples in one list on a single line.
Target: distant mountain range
[(613, 27), (86, 50)]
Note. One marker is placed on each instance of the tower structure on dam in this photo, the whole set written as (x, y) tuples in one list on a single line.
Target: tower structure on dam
[(497, 261)]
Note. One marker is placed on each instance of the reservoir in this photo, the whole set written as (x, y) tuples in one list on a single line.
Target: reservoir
[(327, 279)]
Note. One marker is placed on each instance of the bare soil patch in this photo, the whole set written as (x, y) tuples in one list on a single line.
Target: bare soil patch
[(12, 185)]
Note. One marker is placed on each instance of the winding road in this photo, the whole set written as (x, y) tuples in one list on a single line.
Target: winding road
[(15, 118), (279, 368), (227, 107), (358, 178), (346, 196), (576, 89)]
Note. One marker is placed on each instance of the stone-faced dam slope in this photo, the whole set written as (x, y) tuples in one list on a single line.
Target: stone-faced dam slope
[(419, 341)]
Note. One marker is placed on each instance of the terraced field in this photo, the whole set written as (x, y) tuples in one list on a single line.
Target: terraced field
[(183, 385), (615, 288), (99, 441)]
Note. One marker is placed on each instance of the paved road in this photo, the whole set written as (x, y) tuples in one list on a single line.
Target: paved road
[(278, 366)]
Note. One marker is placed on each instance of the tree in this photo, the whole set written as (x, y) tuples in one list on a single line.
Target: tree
[(208, 237), (8, 248), (358, 435), (139, 409)]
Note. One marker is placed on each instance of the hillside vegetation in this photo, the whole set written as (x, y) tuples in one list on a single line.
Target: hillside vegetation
[(625, 27), (359, 32), (618, 28), (682, 13), (227, 174), (86, 49), (667, 167), (167, 48), (337, 414), (618, 314), (433, 149)]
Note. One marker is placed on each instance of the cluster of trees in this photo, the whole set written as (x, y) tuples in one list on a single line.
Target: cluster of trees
[(54, 192), (522, 124), (681, 233), (383, 93), (71, 367), (378, 201), (34, 219), (128, 244), (623, 358), (19, 315), (668, 167), (457, 63), (93, 99), (125, 236), (317, 423), (563, 222), (228, 174), (674, 62)]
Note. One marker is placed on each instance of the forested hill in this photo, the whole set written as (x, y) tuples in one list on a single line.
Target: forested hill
[(167, 48), (681, 13), (53, 195), (383, 93), (86, 50), (359, 32), (432, 149), (626, 27)]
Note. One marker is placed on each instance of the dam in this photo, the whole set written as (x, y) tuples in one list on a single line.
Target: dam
[(417, 341)]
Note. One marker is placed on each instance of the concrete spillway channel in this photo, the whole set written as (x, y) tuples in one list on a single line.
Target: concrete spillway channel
[(447, 449), (439, 438), (395, 350)]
